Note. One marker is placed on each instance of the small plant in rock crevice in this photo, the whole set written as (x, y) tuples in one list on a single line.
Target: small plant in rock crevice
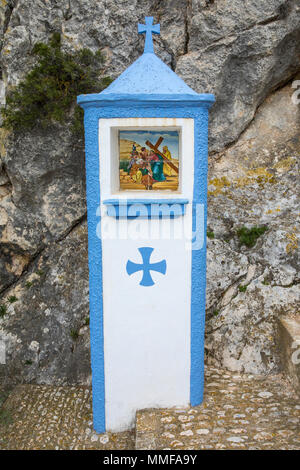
[(242, 288), (3, 310), (249, 236), (74, 334), (48, 92), (4, 306)]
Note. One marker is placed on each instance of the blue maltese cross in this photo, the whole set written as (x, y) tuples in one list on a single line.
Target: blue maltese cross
[(146, 267)]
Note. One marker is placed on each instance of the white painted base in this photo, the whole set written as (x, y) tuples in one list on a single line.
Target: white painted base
[(146, 329)]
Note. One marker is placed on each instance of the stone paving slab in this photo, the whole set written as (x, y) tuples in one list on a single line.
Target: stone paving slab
[(47, 417), (238, 412)]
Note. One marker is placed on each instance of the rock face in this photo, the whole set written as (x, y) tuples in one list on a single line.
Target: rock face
[(253, 184), (248, 55), (240, 51), (46, 328)]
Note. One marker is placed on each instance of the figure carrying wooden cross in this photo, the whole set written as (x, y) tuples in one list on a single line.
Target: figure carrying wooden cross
[(148, 28), (165, 159)]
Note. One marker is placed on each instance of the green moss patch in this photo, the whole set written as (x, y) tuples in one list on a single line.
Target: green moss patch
[(242, 288), (74, 334), (3, 310), (249, 236)]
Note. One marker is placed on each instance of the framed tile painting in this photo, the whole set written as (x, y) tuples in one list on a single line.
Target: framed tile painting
[(149, 160)]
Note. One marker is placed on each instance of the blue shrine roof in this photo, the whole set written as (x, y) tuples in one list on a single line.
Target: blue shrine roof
[(147, 79), (149, 75)]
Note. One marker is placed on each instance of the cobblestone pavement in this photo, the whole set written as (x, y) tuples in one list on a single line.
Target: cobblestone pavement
[(46, 417), (238, 412)]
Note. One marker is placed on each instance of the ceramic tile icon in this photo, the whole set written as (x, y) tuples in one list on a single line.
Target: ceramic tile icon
[(149, 160)]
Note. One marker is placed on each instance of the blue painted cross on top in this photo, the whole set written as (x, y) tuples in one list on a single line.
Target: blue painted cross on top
[(148, 28), (146, 267)]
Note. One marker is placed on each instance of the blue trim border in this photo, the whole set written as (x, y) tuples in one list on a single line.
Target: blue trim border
[(93, 192), (198, 274), (117, 99)]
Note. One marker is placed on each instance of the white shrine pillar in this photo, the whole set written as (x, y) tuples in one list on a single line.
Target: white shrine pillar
[(146, 166)]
